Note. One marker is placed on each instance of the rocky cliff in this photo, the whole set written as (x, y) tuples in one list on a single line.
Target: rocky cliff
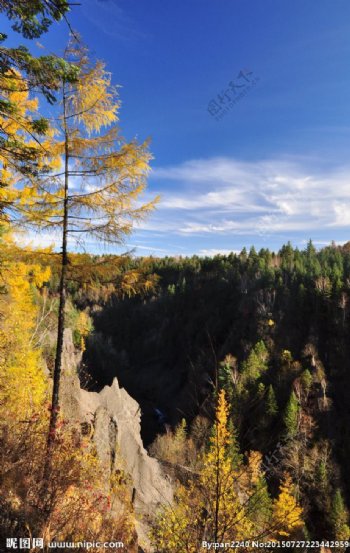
[(112, 419)]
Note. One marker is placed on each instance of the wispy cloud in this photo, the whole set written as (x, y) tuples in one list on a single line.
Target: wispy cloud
[(218, 205), (112, 20), (228, 196), (210, 252)]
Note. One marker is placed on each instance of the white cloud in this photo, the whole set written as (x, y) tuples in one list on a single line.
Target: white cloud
[(53, 240), (323, 243), (209, 206), (37, 239), (228, 196), (342, 214), (149, 249)]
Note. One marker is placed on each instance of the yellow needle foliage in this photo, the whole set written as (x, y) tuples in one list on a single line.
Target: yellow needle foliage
[(92, 184), (226, 500), (78, 502), (209, 508), (227, 515), (15, 130), (83, 327), (254, 466), (287, 514), (23, 384), (96, 191), (25, 148), (14, 123)]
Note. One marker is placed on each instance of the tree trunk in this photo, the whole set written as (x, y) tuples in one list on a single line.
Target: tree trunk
[(62, 304)]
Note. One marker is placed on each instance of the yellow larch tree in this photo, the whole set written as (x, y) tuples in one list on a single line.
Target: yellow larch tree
[(220, 481), (287, 514), (24, 148), (226, 500), (210, 507), (23, 385), (14, 91), (96, 191), (78, 502), (19, 147)]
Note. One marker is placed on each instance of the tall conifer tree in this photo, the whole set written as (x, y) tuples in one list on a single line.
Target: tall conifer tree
[(95, 192)]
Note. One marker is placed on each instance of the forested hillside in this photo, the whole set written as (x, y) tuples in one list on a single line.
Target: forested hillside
[(272, 329), (169, 404), (240, 366)]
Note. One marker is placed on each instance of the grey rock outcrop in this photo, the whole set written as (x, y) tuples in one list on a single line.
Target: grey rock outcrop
[(112, 419)]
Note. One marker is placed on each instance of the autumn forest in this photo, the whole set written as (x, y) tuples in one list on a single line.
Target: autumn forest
[(166, 404)]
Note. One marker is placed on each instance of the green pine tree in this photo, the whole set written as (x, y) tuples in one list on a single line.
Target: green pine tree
[(256, 364), (339, 517), (306, 381), (291, 416), (233, 445), (271, 406)]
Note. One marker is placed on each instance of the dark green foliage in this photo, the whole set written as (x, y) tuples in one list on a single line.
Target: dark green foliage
[(306, 380), (271, 406), (40, 126), (42, 74), (262, 503), (339, 517), (233, 448), (19, 69), (32, 18), (227, 374), (208, 323), (291, 416), (256, 363), (322, 474)]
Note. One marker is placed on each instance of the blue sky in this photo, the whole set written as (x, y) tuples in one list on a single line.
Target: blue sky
[(276, 166)]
